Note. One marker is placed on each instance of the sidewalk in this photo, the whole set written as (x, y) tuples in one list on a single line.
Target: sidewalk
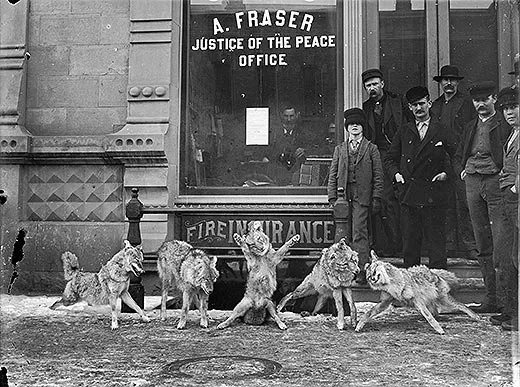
[(75, 347)]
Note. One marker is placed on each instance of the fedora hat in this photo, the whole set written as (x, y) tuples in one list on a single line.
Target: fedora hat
[(448, 71)]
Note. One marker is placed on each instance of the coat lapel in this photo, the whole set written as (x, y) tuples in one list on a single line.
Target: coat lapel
[(432, 129)]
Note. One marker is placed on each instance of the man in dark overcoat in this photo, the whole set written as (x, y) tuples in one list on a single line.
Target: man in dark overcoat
[(419, 161), (386, 112), (454, 110), (479, 160)]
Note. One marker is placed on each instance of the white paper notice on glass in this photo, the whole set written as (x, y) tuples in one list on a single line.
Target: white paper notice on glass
[(257, 126)]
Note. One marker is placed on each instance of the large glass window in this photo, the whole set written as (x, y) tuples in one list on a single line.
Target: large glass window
[(473, 39), (402, 29), (260, 96)]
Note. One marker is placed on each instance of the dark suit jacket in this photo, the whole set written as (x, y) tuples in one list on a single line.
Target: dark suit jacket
[(462, 112), (498, 134), (369, 172), (395, 107), (418, 162)]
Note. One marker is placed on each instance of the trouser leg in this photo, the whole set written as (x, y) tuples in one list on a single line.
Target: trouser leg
[(412, 235), (483, 238), (360, 232), (435, 234)]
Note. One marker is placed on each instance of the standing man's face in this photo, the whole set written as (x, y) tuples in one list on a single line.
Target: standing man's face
[(485, 106), (355, 130), (512, 114), (374, 88), (449, 85), (421, 108)]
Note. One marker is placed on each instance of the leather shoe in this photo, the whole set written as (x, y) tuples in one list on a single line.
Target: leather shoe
[(498, 319), (510, 325), (485, 308)]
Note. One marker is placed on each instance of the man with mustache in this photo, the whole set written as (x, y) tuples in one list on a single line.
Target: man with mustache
[(454, 110), (418, 159), (509, 184), (479, 160), (386, 112)]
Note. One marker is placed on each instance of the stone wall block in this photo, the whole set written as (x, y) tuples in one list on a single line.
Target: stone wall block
[(98, 60), (71, 30), (150, 64), (103, 7), (55, 92), (93, 121), (112, 91), (46, 122), (114, 30), (48, 60), (51, 6)]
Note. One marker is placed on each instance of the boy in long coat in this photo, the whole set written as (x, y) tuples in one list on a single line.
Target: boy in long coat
[(356, 166), (418, 160)]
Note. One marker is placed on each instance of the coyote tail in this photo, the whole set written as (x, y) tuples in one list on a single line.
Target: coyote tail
[(70, 265)]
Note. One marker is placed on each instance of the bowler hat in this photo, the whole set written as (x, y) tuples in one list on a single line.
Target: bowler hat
[(508, 96), (355, 116), (448, 71), (515, 69), (416, 93), (482, 89), (371, 73)]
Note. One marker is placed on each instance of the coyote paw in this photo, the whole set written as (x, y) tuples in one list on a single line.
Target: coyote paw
[(145, 318), (282, 326), (114, 326), (340, 325), (238, 239), (221, 326), (181, 325)]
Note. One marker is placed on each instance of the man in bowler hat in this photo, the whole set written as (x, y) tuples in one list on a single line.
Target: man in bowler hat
[(386, 112), (454, 110), (418, 160), (479, 160), (356, 166)]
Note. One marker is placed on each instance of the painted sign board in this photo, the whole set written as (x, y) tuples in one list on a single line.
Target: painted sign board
[(216, 230)]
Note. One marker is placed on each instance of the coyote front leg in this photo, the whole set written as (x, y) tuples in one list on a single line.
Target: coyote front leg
[(338, 299), (386, 301), (285, 248), (242, 307), (347, 292), (127, 298)]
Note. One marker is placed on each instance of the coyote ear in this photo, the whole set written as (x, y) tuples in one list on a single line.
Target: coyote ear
[(343, 242), (373, 256), (213, 260), (367, 265), (127, 244)]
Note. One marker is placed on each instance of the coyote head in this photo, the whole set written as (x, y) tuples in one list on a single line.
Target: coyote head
[(377, 275), (340, 261), (202, 272), (256, 240), (133, 259)]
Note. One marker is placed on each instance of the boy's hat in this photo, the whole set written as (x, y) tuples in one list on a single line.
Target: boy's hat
[(371, 73), (355, 116), (508, 96), (483, 89), (416, 93)]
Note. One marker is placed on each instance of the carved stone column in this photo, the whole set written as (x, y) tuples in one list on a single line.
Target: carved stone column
[(13, 56)]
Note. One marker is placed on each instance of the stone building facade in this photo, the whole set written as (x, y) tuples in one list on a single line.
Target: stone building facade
[(98, 97)]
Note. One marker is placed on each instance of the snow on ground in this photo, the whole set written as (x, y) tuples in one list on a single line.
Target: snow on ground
[(19, 306)]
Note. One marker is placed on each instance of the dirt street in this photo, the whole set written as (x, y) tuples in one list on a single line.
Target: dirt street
[(75, 347)]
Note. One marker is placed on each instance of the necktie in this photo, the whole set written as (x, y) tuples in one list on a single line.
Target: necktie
[(422, 130), (378, 108), (354, 145)]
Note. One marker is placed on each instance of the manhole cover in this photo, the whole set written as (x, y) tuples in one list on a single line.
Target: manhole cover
[(232, 367)]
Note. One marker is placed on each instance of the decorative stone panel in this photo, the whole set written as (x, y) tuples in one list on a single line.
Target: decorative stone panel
[(74, 193)]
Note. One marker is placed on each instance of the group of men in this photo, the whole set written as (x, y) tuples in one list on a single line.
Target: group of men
[(407, 160)]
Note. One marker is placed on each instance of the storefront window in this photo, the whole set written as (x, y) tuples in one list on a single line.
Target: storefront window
[(260, 96), (473, 25), (402, 28)]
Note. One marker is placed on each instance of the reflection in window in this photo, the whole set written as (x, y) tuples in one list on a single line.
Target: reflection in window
[(402, 26), (265, 72), (473, 25)]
